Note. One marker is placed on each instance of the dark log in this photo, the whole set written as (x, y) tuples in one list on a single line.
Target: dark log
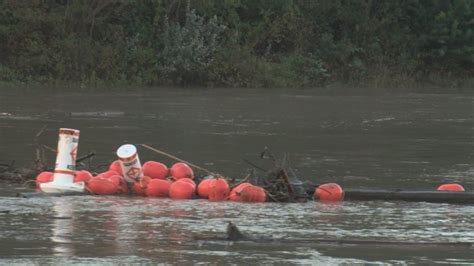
[(87, 156), (434, 196), (407, 195)]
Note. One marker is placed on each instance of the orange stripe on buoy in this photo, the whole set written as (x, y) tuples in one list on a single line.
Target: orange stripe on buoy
[(66, 172), (69, 132), (128, 159)]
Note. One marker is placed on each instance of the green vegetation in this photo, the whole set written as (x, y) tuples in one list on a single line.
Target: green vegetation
[(238, 43)]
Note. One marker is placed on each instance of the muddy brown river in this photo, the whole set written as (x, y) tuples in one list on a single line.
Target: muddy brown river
[(407, 141)]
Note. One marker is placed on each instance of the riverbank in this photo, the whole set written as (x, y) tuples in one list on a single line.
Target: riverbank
[(379, 84)]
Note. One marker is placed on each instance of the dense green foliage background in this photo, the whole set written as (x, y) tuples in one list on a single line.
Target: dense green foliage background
[(250, 43)]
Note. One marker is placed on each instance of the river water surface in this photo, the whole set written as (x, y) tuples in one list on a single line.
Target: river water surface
[(410, 141)]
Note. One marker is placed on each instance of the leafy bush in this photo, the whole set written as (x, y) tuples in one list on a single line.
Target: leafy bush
[(187, 50)]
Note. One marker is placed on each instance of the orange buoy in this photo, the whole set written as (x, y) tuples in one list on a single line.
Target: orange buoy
[(329, 192), (235, 192), (108, 174), (116, 167), (203, 188), (451, 187), (82, 176), (44, 177), (155, 170), (102, 186), (181, 170), (218, 189), (188, 180), (120, 182), (253, 194), (159, 188), (181, 190), (139, 187)]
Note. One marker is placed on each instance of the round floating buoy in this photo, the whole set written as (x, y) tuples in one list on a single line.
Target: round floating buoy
[(203, 188), (82, 176), (120, 182), (329, 192), (66, 155), (116, 167), (102, 186), (44, 177), (155, 170), (181, 170), (108, 174), (139, 187), (188, 180), (181, 190), (235, 192), (451, 187), (218, 189), (253, 194), (159, 188)]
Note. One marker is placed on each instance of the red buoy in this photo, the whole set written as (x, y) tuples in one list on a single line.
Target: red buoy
[(120, 182), (181, 190), (102, 186), (188, 180), (139, 187), (82, 176), (116, 167), (159, 188), (155, 170), (181, 170), (44, 177), (253, 194), (108, 174), (235, 192), (329, 192), (218, 189), (451, 187), (203, 188)]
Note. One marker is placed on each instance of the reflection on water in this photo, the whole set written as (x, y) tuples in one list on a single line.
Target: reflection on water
[(63, 227), (403, 141)]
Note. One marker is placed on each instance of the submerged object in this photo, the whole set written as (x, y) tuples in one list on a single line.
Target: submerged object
[(253, 194), (329, 192), (43, 177), (234, 234), (181, 190), (181, 170), (64, 171), (159, 188), (218, 189), (155, 170), (130, 162), (235, 192), (451, 187)]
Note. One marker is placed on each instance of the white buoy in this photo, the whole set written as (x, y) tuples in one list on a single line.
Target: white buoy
[(64, 171), (130, 163)]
